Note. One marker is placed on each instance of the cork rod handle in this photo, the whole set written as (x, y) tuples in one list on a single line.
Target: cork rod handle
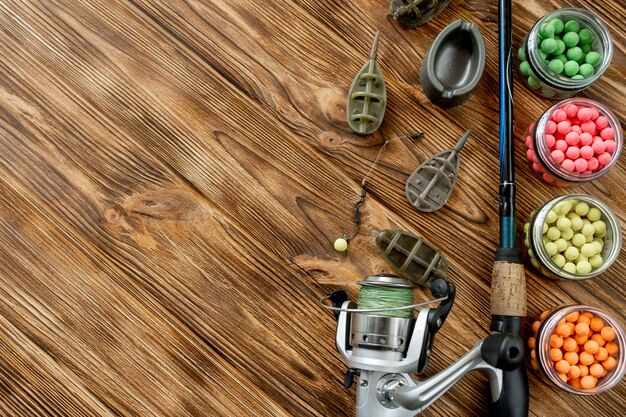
[(508, 289)]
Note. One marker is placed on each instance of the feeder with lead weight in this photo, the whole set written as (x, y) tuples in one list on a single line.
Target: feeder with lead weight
[(412, 13), (430, 186), (367, 98), (411, 256)]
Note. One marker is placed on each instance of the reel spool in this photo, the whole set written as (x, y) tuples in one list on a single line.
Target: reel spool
[(384, 330), (381, 332)]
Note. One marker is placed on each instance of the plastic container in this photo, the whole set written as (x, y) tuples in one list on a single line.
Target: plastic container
[(538, 150), (541, 78), (545, 263), (412, 13), (544, 366)]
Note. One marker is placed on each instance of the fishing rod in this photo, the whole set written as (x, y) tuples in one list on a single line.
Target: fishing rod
[(508, 285), (384, 343)]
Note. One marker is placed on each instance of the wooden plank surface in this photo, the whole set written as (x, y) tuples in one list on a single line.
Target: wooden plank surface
[(173, 174)]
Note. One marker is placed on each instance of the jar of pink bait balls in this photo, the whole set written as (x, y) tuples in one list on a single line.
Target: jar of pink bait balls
[(576, 140)]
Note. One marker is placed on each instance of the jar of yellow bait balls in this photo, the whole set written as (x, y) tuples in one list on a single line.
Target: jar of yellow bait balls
[(578, 348), (573, 237)]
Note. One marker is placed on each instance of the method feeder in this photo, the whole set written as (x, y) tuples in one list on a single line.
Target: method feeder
[(367, 98), (383, 349), (430, 185)]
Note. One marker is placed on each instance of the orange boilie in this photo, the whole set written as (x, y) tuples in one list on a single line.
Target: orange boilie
[(582, 329), (607, 333), (582, 349), (611, 348), (596, 324)]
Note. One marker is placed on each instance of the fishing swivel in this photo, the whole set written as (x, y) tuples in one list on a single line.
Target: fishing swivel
[(341, 244)]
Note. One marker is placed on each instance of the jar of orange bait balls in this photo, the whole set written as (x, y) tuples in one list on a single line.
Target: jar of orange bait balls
[(579, 348)]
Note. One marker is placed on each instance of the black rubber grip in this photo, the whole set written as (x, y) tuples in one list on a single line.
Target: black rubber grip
[(513, 400)]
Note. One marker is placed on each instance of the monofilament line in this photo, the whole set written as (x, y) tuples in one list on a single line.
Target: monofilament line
[(341, 244)]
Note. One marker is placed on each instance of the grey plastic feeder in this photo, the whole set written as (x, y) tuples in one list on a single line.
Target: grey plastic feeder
[(453, 64)]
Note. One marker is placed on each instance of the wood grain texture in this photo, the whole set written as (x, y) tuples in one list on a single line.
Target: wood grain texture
[(173, 174)]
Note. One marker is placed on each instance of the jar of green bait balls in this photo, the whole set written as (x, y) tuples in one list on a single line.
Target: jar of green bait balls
[(574, 237), (565, 52)]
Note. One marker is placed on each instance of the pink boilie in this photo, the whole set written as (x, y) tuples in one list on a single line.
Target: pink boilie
[(573, 152), (572, 138), (607, 133), (568, 164), (601, 122), (586, 152), (604, 158), (585, 139), (559, 115), (584, 114), (610, 146), (599, 147), (588, 127), (548, 178), (561, 145), (564, 127), (558, 156), (571, 110), (580, 165)]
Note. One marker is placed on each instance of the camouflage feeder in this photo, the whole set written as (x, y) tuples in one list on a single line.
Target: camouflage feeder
[(367, 98), (412, 13), (411, 256), (429, 187)]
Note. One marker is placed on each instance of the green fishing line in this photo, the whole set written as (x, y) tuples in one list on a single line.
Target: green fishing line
[(378, 296)]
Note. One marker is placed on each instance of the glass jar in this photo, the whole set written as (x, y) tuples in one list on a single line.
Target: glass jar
[(539, 144), (540, 78), (412, 13), (542, 258), (544, 365)]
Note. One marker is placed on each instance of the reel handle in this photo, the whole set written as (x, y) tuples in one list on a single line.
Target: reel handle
[(503, 351), (337, 298), (436, 316)]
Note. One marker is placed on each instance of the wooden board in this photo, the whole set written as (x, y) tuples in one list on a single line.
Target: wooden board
[(173, 175)]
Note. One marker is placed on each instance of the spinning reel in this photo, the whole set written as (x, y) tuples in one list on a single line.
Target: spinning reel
[(382, 349)]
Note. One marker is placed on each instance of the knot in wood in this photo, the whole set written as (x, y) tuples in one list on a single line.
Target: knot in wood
[(330, 140), (333, 104)]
